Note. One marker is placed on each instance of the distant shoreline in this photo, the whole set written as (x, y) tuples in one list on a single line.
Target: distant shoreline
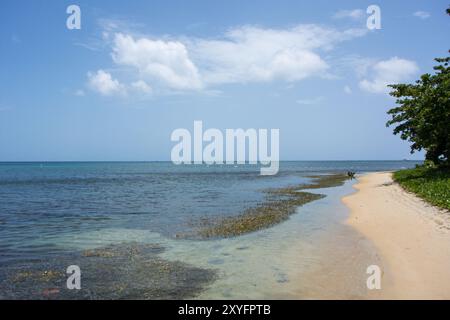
[(411, 237), (168, 161)]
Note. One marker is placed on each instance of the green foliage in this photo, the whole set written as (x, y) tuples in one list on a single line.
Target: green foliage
[(431, 184), (428, 164), (423, 114)]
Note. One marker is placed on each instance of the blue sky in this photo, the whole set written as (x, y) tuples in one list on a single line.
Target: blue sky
[(117, 88)]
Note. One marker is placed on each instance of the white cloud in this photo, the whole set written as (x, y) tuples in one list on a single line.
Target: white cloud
[(422, 14), (165, 61), (391, 71), (355, 14), (347, 90), (253, 54), (103, 82), (246, 54), (141, 86), (310, 101)]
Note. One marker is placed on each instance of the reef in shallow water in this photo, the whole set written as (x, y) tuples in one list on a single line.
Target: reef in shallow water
[(278, 206), (126, 271)]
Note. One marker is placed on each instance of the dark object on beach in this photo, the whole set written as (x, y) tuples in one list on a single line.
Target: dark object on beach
[(351, 174)]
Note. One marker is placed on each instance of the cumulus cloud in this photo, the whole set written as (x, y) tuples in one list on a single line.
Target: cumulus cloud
[(103, 83), (421, 14), (141, 86), (355, 14), (347, 90), (164, 61), (253, 54), (245, 54), (391, 71)]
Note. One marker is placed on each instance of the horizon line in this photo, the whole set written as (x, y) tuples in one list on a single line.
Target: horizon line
[(144, 161)]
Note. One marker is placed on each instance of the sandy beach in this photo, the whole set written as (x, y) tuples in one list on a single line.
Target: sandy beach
[(411, 237)]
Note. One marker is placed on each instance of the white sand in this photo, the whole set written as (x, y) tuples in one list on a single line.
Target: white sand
[(412, 238)]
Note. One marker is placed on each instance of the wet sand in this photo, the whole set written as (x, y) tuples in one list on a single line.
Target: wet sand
[(411, 237)]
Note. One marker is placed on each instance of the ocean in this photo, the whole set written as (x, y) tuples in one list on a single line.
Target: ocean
[(132, 229)]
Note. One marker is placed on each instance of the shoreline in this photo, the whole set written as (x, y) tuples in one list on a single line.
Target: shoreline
[(411, 237)]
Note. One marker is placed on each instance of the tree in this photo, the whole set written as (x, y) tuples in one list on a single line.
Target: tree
[(423, 114)]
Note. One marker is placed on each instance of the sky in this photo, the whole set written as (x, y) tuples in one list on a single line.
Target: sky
[(117, 88)]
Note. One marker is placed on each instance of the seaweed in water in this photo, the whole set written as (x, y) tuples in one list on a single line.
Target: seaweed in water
[(126, 271), (278, 206)]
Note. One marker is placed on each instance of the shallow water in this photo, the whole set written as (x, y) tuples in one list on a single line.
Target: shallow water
[(295, 259), (50, 213)]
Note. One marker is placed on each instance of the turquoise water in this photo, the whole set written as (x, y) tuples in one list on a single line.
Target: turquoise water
[(51, 213)]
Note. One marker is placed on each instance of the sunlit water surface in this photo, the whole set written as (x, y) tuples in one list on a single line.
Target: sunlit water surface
[(52, 214)]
